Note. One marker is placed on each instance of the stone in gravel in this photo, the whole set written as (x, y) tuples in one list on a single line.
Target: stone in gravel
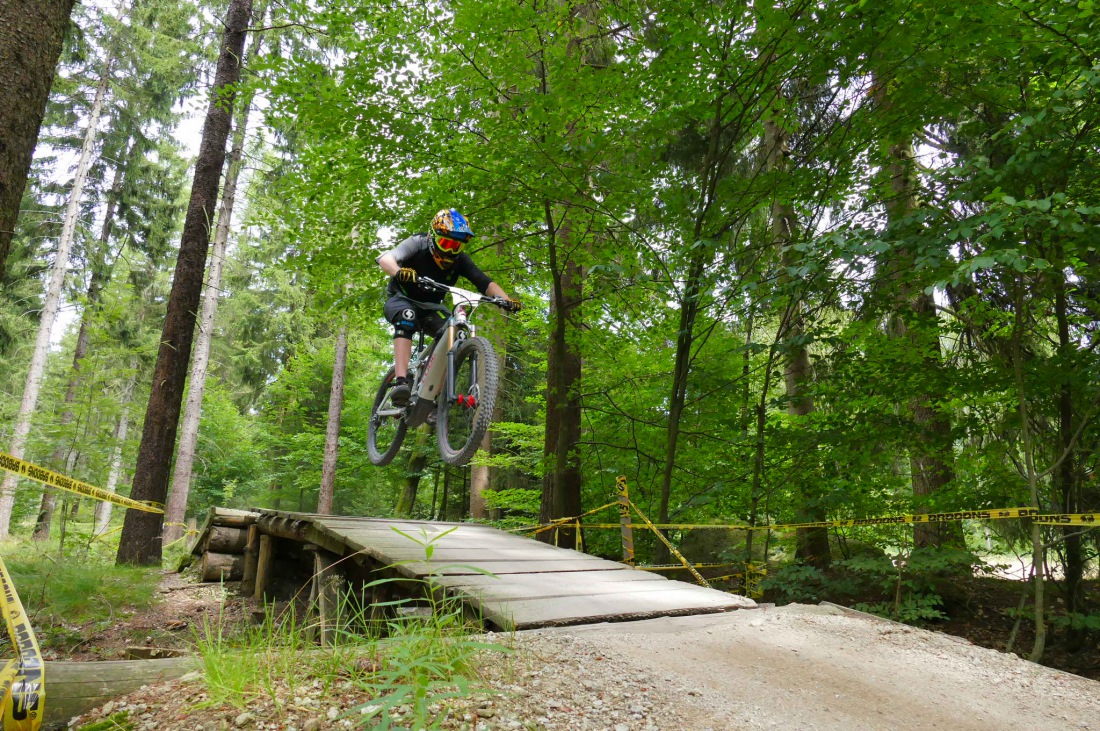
[(245, 719), (333, 713), (621, 727), (313, 724)]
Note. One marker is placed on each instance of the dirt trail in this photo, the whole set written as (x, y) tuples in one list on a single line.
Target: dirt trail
[(792, 667), (817, 667)]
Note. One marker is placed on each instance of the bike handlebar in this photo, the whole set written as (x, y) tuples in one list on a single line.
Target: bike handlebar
[(501, 302)]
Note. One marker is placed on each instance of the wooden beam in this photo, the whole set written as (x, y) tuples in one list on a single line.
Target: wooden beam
[(328, 579), (221, 567), (251, 561), (224, 539), (78, 687), (263, 566)]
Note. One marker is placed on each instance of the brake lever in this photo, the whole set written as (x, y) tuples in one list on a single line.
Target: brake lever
[(431, 283)]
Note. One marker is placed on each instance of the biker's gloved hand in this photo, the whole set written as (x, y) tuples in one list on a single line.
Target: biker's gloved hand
[(404, 274), (512, 305)]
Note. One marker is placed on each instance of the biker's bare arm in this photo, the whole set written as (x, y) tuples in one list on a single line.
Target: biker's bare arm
[(389, 264)]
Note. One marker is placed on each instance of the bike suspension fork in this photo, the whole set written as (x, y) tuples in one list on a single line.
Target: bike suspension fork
[(451, 395)]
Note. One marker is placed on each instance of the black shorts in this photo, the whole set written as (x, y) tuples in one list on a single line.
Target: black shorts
[(405, 316)]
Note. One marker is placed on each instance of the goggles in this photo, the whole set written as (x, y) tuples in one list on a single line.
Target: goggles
[(449, 246)]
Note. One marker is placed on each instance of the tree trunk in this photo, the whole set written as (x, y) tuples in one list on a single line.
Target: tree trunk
[(685, 336), (95, 287), (1038, 550), (141, 534), (434, 513), (103, 509), (1065, 476), (481, 475), (444, 499), (332, 433), (931, 456), (561, 489), (180, 488), (31, 36), (37, 369), (812, 544), (417, 460)]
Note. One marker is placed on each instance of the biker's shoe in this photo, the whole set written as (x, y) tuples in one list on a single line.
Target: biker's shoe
[(400, 393)]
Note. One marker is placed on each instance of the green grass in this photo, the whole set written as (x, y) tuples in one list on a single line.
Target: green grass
[(115, 722), (405, 665), (76, 590), (64, 594)]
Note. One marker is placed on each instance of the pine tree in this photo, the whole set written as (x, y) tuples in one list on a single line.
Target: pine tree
[(31, 36), (141, 534)]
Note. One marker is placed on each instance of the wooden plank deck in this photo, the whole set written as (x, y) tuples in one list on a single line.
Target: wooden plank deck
[(532, 584)]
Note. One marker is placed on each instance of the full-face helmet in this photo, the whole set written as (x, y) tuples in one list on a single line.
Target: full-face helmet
[(450, 231)]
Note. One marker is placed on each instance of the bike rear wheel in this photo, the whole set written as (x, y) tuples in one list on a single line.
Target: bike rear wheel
[(461, 423), (384, 433)]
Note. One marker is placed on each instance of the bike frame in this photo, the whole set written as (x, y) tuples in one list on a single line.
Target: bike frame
[(434, 376)]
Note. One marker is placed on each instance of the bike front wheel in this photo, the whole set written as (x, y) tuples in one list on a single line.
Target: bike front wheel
[(384, 433), (461, 422)]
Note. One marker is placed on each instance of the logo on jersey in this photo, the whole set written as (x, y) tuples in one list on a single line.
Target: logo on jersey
[(408, 315)]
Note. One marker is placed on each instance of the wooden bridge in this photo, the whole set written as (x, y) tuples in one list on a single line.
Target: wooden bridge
[(508, 581)]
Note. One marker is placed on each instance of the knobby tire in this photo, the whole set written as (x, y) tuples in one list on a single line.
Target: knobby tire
[(379, 450), (460, 429)]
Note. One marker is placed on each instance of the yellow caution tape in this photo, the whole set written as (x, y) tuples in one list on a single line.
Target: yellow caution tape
[(678, 567), (104, 534), (22, 681), (61, 482), (669, 546), (560, 522), (187, 531), (1092, 519), (993, 514)]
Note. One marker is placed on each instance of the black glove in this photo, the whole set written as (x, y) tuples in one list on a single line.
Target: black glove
[(512, 305), (404, 274)]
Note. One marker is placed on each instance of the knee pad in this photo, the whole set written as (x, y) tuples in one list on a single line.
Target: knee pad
[(404, 324)]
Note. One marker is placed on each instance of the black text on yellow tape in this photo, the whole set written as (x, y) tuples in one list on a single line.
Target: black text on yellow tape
[(1092, 519), (61, 482), (992, 514), (23, 680)]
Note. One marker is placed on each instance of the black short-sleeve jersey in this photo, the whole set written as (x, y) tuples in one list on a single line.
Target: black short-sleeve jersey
[(415, 253)]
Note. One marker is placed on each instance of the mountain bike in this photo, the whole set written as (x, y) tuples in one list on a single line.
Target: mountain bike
[(454, 382)]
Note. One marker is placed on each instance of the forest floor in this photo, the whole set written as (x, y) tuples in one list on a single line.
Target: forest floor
[(796, 666)]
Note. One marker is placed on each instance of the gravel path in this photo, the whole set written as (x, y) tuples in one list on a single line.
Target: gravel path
[(816, 667), (793, 667)]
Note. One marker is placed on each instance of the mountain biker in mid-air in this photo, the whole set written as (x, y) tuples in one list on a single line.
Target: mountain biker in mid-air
[(437, 255)]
